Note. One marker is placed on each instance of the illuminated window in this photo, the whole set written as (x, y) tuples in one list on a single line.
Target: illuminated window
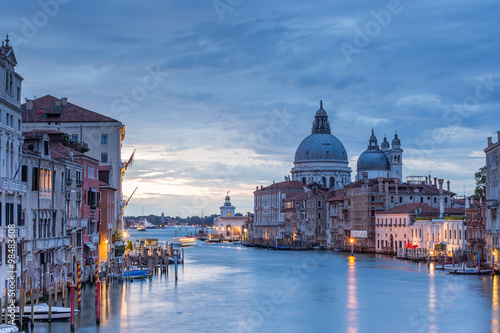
[(228, 214)]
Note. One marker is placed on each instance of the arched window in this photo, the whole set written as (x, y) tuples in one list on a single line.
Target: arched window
[(304, 180), (319, 229), (323, 180), (319, 216), (421, 199), (332, 182)]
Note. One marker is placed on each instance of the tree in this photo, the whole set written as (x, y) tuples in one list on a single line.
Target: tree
[(129, 245), (480, 178)]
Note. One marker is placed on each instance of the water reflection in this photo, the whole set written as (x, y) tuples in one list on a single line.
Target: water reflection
[(432, 307), (495, 307), (352, 301)]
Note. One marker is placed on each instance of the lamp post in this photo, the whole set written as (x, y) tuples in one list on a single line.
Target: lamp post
[(351, 241)]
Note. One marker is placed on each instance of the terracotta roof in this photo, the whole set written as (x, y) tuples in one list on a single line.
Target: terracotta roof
[(340, 197), (286, 185), (44, 110), (425, 209)]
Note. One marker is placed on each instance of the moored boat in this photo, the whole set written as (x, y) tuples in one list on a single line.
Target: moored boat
[(133, 274), (41, 312), (7, 328), (184, 241)]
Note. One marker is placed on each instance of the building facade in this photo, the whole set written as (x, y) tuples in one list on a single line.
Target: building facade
[(269, 209), (12, 189), (493, 194), (227, 225)]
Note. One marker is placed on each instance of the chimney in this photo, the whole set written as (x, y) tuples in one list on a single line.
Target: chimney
[(29, 104), (498, 135), (58, 104), (436, 182), (441, 181), (490, 141), (380, 181), (256, 188), (64, 101), (448, 185)]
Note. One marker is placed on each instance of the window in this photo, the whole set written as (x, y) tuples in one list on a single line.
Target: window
[(90, 172), (19, 124), (421, 199), (34, 180), (319, 203), (104, 139), (74, 137), (104, 157), (45, 147), (18, 94), (24, 173), (400, 199)]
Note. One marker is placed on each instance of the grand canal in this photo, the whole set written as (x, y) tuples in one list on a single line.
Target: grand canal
[(230, 288)]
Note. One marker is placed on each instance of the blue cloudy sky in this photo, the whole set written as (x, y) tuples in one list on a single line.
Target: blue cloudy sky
[(217, 95)]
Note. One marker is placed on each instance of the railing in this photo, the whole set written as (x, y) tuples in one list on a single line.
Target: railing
[(69, 181), (79, 182), (76, 223), (13, 185), (491, 203), (21, 232), (49, 243), (94, 239)]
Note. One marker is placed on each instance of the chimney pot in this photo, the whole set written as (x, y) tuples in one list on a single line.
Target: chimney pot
[(435, 181), (448, 185), (64, 101), (498, 135), (29, 104), (490, 141)]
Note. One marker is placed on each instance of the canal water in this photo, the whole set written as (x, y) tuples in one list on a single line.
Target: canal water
[(230, 288)]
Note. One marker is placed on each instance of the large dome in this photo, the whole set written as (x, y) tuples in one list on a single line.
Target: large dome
[(317, 147), (373, 159)]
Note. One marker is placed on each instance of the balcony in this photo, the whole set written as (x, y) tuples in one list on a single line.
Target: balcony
[(21, 232), (94, 238), (492, 203), (69, 181), (79, 182), (13, 185), (77, 223), (51, 243)]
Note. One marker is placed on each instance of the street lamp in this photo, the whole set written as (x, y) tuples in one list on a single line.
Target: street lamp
[(351, 241)]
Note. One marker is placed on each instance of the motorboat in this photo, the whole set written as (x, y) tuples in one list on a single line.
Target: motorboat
[(41, 312), (141, 229), (133, 274), (213, 239), (184, 241)]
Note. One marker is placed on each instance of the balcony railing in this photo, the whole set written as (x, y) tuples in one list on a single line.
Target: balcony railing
[(79, 182), (50, 243), (69, 181), (491, 203), (7, 184), (76, 223)]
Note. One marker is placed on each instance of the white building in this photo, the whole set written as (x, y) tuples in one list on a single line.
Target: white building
[(493, 193), (227, 224), (419, 224), (12, 190), (321, 157)]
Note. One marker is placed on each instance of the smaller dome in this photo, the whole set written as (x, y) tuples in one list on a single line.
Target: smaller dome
[(385, 144), (373, 160), (321, 112), (396, 141)]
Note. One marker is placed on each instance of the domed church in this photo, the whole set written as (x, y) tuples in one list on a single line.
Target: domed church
[(381, 162), (321, 157)]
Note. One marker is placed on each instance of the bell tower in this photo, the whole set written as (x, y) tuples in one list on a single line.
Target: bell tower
[(227, 210)]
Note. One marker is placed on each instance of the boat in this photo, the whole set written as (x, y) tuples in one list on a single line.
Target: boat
[(7, 328), (248, 244), (41, 312), (213, 239), (236, 243), (472, 271), (184, 241), (133, 274), (141, 229)]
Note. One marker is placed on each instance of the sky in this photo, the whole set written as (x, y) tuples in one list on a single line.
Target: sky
[(217, 95)]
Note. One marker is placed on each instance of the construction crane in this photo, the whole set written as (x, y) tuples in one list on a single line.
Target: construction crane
[(126, 202)]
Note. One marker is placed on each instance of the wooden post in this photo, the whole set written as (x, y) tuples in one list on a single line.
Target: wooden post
[(72, 306), (50, 305), (55, 292), (21, 305), (31, 301), (37, 296), (6, 303), (176, 263), (98, 302), (79, 282)]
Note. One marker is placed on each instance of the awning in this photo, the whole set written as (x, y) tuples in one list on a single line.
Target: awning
[(91, 246)]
